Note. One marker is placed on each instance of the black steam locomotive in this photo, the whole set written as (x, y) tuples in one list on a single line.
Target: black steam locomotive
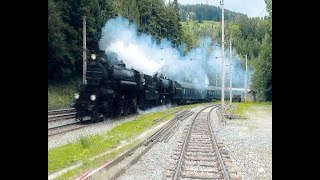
[(113, 90)]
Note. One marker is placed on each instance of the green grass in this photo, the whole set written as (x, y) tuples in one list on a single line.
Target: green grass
[(201, 25), (92, 164), (193, 34), (61, 96), (248, 106), (90, 146)]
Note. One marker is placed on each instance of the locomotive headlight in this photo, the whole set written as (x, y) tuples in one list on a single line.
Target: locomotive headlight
[(93, 56), (93, 97), (76, 95)]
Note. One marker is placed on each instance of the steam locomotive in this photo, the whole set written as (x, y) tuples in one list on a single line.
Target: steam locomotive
[(113, 90)]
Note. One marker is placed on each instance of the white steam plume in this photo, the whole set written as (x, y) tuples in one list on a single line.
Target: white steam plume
[(144, 54)]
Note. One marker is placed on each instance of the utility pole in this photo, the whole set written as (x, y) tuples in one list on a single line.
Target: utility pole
[(84, 52), (222, 43), (216, 77), (246, 77), (230, 73)]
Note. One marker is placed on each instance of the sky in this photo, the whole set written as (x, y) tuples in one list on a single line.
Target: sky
[(252, 8)]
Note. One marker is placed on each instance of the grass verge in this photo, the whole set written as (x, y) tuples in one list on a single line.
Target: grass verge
[(92, 164), (61, 96), (242, 107)]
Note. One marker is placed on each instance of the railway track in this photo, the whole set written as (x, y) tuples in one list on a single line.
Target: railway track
[(65, 128), (61, 121), (59, 111), (61, 115), (199, 156)]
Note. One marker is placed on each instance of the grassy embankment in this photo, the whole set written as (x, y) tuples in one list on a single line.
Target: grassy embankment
[(61, 96)]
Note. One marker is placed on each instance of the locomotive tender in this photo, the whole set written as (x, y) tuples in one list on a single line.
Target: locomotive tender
[(113, 90)]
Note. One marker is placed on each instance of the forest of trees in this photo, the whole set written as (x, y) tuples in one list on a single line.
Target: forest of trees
[(250, 36), (205, 12), (253, 37), (65, 28)]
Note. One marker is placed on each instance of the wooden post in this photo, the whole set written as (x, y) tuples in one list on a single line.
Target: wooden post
[(84, 52)]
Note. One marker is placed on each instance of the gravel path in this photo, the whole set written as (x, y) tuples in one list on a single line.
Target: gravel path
[(249, 142)]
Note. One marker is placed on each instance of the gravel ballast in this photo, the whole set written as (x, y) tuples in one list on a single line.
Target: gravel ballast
[(248, 141), (154, 163)]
